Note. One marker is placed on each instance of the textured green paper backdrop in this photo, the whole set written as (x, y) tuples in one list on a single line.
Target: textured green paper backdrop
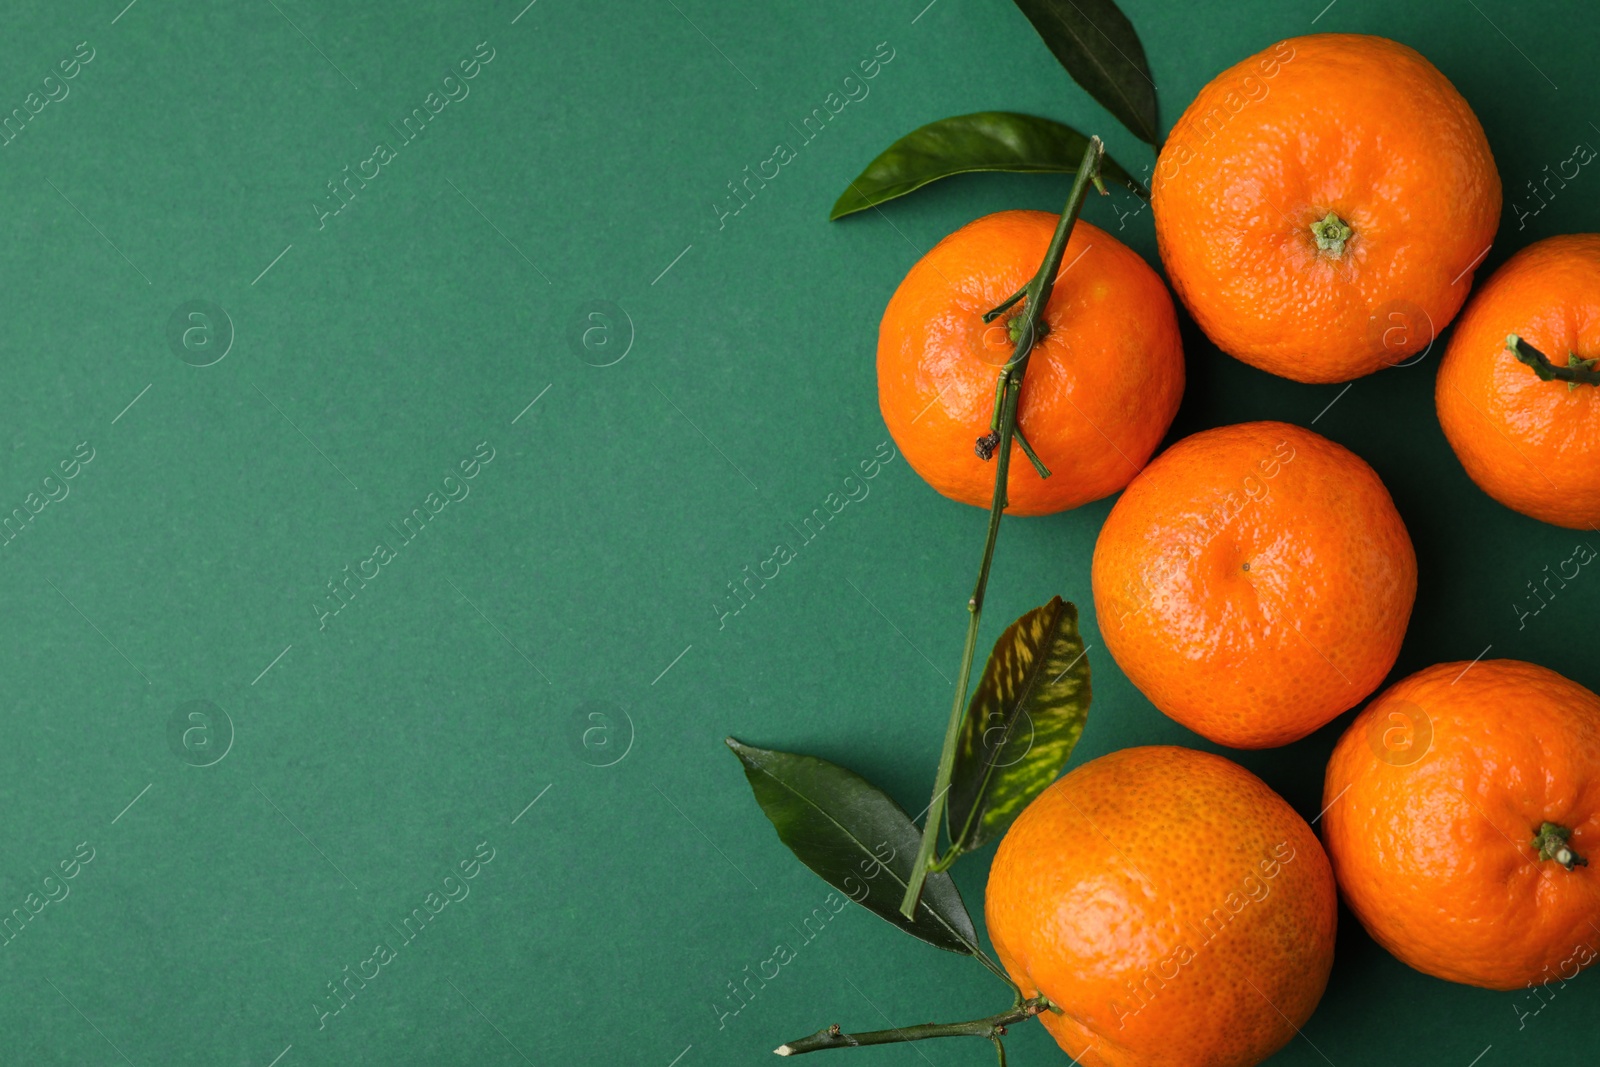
[(268, 791)]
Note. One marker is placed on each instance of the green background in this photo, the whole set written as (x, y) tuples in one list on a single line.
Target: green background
[(365, 754)]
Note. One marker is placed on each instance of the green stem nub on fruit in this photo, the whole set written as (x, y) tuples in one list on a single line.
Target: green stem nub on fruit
[(1331, 233), (1552, 845), (1578, 371), (1016, 324)]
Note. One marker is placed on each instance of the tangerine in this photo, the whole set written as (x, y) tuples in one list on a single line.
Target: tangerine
[(1173, 907), (1462, 806), (1532, 445), (1254, 582), (1320, 206), (1102, 384)]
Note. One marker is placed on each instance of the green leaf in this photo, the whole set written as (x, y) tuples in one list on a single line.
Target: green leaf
[(857, 839), (1095, 41), (1022, 723), (987, 140)]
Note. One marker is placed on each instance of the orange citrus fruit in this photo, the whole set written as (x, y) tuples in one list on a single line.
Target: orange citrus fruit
[(1462, 806), (1320, 206), (1532, 445), (1174, 908), (1254, 582), (1101, 388)]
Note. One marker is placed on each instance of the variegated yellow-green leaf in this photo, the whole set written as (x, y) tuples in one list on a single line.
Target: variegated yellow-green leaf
[(1022, 723)]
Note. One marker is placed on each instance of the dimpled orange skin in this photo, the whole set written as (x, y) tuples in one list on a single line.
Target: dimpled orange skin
[(1431, 816), (1101, 388), (1359, 126), (1532, 445), (1254, 582), (1171, 904)]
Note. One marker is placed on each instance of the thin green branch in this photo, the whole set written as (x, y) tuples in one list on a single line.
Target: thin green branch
[(996, 312), (1037, 294), (991, 1028), (1033, 457), (1577, 371)]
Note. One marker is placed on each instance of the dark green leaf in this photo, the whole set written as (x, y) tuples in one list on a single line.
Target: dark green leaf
[(856, 838), (988, 140), (1022, 722), (1095, 41)]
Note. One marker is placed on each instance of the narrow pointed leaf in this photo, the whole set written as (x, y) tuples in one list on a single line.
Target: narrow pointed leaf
[(1097, 44), (985, 141), (856, 839), (1022, 722)]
